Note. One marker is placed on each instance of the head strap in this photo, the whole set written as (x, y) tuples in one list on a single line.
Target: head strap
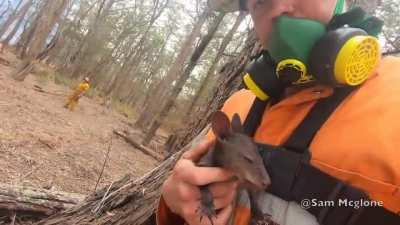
[(339, 7)]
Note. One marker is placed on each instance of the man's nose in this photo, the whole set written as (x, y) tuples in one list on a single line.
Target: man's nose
[(282, 7)]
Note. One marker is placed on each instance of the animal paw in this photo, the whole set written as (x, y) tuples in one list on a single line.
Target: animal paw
[(207, 211), (262, 220)]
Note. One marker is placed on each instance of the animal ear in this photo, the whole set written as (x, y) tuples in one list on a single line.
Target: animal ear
[(220, 124), (237, 124)]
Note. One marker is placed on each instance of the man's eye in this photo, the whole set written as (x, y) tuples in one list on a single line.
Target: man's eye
[(260, 2)]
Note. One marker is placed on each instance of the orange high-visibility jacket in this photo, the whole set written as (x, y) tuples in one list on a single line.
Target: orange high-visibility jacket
[(79, 90), (82, 87), (359, 143)]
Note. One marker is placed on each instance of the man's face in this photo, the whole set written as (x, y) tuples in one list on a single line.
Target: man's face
[(265, 12)]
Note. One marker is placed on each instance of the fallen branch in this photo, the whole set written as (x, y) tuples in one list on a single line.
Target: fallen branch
[(129, 201), (41, 90), (4, 62), (35, 203), (46, 143), (141, 147), (104, 164), (30, 172)]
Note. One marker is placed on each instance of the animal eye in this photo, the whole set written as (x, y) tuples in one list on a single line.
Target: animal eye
[(248, 159)]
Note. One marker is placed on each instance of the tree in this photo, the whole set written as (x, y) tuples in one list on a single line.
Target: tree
[(170, 100), (129, 201), (93, 39), (174, 71), (227, 39), (50, 12), (15, 15), (20, 18)]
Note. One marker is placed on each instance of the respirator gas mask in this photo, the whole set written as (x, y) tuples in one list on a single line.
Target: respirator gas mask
[(300, 51)]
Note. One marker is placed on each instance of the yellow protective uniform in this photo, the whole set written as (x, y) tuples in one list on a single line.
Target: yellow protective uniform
[(76, 95)]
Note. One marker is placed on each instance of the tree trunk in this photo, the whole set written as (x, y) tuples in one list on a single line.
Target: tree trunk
[(142, 148), (229, 82), (23, 12), (48, 16), (170, 101), (7, 9), (154, 69), (175, 69), (92, 40), (24, 35), (34, 203), (227, 39), (15, 16)]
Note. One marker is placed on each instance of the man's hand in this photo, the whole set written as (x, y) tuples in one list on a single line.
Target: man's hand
[(182, 195)]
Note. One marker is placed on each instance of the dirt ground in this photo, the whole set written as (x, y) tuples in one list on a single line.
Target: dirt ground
[(44, 145)]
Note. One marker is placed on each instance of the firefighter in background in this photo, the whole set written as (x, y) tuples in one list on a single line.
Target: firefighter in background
[(79, 91)]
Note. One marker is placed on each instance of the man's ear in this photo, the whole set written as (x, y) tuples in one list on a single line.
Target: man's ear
[(237, 124), (220, 124)]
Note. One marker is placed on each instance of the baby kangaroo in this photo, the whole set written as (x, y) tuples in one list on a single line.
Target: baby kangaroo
[(235, 151)]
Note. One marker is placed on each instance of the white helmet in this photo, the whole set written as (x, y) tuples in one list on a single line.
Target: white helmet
[(87, 79), (226, 5)]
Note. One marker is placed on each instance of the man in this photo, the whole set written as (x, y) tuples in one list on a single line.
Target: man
[(357, 144), (79, 91)]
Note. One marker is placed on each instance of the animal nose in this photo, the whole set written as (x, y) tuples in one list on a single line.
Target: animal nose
[(265, 183)]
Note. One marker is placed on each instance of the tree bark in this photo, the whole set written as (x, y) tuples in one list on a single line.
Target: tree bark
[(35, 203), (170, 101)]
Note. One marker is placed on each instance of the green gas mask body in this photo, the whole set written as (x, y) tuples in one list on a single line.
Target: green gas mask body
[(300, 51)]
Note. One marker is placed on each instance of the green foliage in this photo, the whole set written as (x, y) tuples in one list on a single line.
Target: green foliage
[(43, 78), (43, 74), (92, 92), (63, 80), (123, 109)]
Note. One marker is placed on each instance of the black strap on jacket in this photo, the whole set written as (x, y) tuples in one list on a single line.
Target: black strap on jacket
[(303, 135), (294, 179)]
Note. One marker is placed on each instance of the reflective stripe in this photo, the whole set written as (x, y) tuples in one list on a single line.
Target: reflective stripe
[(253, 86)]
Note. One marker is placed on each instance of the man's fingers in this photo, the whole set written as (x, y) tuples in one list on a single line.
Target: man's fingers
[(199, 150), (220, 203), (200, 176), (224, 216), (187, 192), (223, 188)]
